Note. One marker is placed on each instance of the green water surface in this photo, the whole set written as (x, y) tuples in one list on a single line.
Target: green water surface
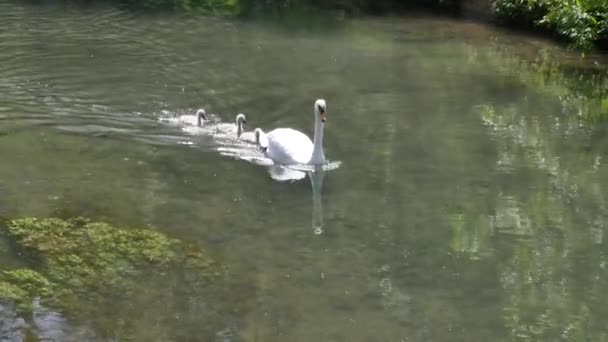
[(470, 203)]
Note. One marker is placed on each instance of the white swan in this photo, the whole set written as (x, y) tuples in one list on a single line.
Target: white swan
[(288, 146), (193, 120)]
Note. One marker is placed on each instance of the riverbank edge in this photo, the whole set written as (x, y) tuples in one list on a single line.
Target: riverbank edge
[(482, 11), (525, 16), (579, 27)]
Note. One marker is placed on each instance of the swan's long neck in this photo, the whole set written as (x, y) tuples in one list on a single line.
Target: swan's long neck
[(199, 120), (239, 129), (260, 139), (318, 157)]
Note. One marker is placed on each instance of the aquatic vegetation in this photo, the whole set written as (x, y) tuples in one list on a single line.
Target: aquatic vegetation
[(78, 265), (22, 285), (28, 280), (12, 292), (79, 255)]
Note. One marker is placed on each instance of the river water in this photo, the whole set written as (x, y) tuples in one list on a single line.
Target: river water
[(469, 203)]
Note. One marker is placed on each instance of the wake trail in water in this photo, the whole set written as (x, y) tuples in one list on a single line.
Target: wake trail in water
[(33, 104), (40, 105), (221, 137)]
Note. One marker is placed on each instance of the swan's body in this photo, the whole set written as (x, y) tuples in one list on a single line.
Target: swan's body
[(197, 119), (288, 146)]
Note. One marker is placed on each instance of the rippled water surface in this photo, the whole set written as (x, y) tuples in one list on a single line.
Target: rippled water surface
[(469, 205)]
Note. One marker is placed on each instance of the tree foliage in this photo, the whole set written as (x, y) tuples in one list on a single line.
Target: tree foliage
[(581, 22)]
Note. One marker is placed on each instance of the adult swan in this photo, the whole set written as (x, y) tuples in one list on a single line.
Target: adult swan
[(287, 146)]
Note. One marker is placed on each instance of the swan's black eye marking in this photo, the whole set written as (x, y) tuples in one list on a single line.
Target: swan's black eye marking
[(321, 109)]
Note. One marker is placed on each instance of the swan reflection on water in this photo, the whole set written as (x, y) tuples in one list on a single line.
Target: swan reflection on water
[(316, 174), (291, 173), (316, 182)]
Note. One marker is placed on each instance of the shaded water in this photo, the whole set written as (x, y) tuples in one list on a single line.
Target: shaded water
[(469, 206)]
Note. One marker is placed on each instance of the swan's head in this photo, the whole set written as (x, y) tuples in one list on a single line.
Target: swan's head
[(320, 109), (240, 119), (240, 122), (201, 114)]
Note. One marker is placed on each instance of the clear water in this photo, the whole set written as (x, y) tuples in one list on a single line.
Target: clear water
[(469, 205)]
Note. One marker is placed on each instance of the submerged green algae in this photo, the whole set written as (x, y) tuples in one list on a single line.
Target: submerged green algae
[(99, 273)]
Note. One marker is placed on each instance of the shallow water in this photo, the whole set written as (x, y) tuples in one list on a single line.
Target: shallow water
[(469, 203)]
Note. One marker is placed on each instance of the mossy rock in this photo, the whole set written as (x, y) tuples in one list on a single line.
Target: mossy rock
[(12, 292), (82, 268), (81, 237), (22, 285)]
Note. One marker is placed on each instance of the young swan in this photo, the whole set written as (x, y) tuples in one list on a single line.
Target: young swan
[(250, 137), (194, 120), (241, 121)]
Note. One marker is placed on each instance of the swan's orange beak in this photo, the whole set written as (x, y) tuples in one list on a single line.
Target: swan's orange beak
[(323, 117)]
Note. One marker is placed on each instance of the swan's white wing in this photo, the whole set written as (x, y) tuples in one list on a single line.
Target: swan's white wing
[(288, 146), (190, 120), (182, 120), (226, 128), (196, 130), (248, 137)]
